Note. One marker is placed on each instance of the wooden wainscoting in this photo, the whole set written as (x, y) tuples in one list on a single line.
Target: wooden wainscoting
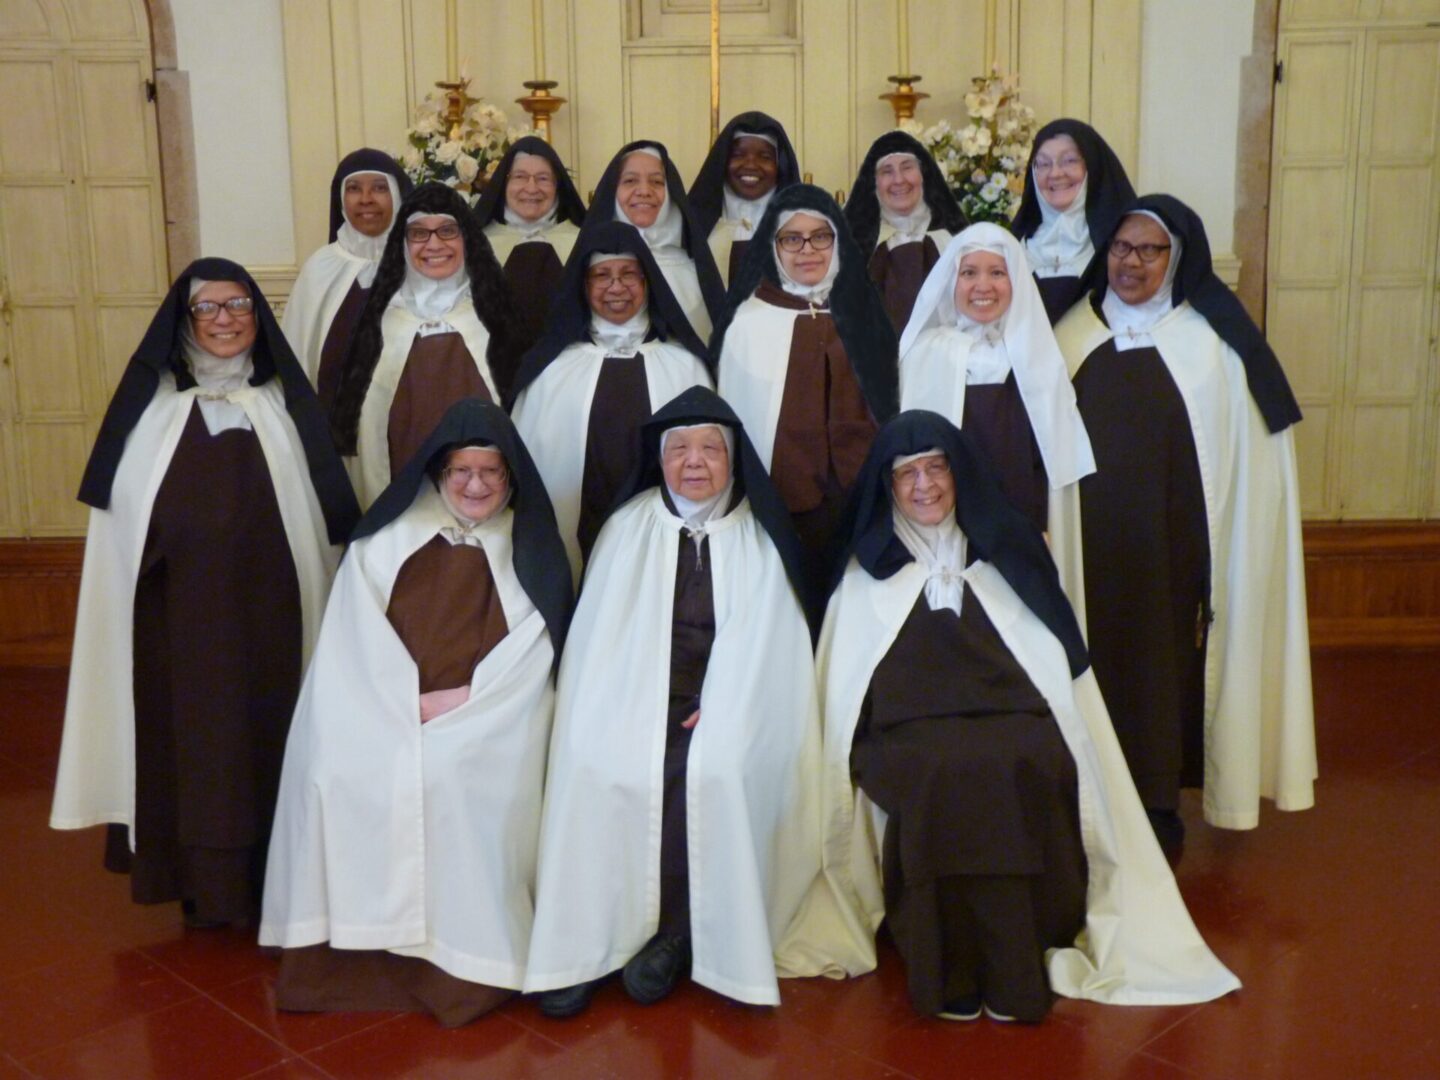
[(1371, 585)]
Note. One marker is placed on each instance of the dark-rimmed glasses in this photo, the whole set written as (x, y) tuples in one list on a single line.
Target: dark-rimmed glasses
[(823, 240), (1121, 249), (237, 306), (419, 234)]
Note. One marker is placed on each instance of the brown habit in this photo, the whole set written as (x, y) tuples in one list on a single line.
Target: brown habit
[(438, 372), (533, 271), (620, 404), (337, 344), (996, 419), (899, 272)]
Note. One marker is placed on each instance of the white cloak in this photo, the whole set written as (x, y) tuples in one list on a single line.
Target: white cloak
[(96, 780), (552, 415), (390, 834), (316, 296), (752, 779), (753, 364), (1139, 945), (684, 281), (505, 238), (371, 468), (1259, 712)]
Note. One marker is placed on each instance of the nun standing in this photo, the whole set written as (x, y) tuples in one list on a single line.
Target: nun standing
[(752, 158), (438, 316), (1191, 579), (618, 348), (333, 285), (218, 511), (403, 866), (532, 214), (642, 187), (979, 351), (1075, 192), (807, 360), (902, 214)]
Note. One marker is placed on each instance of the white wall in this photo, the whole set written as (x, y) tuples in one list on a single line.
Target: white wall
[(234, 53), (1189, 105)]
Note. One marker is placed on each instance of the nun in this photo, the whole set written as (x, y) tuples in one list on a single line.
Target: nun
[(979, 351), (752, 158), (532, 214), (975, 797), (642, 187), (333, 285), (808, 361), (1075, 192), (437, 319), (618, 348), (1188, 571), (680, 830), (902, 214), (218, 507), (403, 864)]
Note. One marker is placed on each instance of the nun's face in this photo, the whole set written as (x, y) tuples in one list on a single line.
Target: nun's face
[(475, 481), (530, 191), (1059, 170), (816, 239), (982, 286), (435, 245), (368, 205), (752, 168), (696, 462), (924, 489), (899, 184), (641, 193), (1132, 278), (616, 289), (226, 333)]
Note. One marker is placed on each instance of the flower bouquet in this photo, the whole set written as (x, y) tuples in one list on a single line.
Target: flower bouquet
[(461, 153), (984, 161)]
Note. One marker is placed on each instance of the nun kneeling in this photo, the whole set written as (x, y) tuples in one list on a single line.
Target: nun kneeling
[(681, 826), (403, 859), (975, 795)]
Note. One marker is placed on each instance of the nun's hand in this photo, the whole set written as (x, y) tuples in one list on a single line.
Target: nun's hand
[(438, 702), (693, 719)]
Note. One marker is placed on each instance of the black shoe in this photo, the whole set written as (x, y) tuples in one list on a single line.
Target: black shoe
[(566, 1002), (1169, 831), (653, 973), (961, 1008)]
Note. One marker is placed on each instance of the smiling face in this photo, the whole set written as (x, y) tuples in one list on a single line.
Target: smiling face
[(899, 184), (924, 489), (530, 190), (1131, 278), (434, 256), (369, 207), (752, 168), (982, 286), (696, 462), (616, 289), (475, 482), (641, 191), (227, 334), (1059, 170), (806, 266)]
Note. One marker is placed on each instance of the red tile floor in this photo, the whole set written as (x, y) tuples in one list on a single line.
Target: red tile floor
[(1328, 917)]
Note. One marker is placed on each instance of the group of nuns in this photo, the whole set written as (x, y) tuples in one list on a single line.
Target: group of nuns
[(529, 608)]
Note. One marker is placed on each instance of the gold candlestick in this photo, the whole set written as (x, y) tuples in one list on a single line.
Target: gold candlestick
[(457, 100), (540, 104), (904, 97)]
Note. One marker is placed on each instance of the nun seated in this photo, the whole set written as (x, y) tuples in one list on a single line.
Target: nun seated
[(807, 360), (642, 187), (751, 159), (438, 317), (975, 797), (218, 511), (531, 214), (902, 214), (333, 285), (979, 351), (1075, 191), (618, 348), (681, 829), (403, 864)]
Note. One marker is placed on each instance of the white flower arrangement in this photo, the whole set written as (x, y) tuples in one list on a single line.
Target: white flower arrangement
[(984, 161), (466, 161)]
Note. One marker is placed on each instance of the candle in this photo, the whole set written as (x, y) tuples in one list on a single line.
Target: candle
[(537, 19), (904, 36), (452, 40)]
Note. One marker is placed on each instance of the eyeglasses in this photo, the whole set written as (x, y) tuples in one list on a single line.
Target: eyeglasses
[(491, 475), (907, 475), (419, 234), (823, 240), (238, 306), (603, 279), (1121, 249), (538, 179), (1068, 163)]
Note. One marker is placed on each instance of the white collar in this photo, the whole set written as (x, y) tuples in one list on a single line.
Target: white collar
[(940, 550), (621, 339)]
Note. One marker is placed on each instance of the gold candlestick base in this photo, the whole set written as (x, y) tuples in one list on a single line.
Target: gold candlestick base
[(540, 104), (457, 100), (904, 97)]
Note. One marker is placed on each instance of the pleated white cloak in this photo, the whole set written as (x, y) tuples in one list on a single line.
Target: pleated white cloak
[(319, 290), (505, 238), (753, 364)]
